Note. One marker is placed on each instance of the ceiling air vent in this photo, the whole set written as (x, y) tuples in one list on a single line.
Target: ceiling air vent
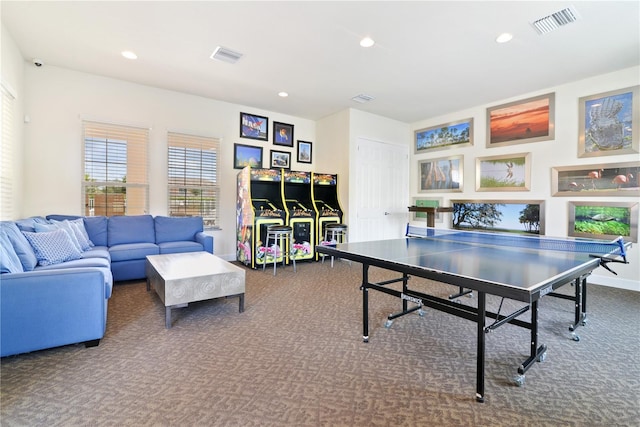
[(226, 55), (362, 98), (556, 20)]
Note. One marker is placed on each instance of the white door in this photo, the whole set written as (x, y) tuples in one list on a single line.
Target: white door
[(382, 191)]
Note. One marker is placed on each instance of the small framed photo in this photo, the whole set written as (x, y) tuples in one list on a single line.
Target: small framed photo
[(447, 135), (254, 127), (426, 202), (603, 220), (283, 134), (609, 123), (246, 155), (510, 172), (443, 174), (304, 152), (280, 159), (519, 122)]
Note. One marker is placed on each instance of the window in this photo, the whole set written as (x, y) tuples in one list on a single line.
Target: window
[(7, 142), (115, 170), (193, 177)]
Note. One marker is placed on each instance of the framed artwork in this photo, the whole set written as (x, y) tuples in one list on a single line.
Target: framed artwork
[(512, 216), (441, 175), (609, 123), (509, 172), (604, 220), (254, 127), (612, 179), (246, 155), (280, 159), (454, 134), (429, 203), (282, 134), (528, 120), (304, 152)]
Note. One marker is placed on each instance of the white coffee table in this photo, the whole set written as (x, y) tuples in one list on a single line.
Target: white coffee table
[(181, 278)]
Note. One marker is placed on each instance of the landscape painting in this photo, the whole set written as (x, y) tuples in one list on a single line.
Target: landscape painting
[(604, 220), (529, 120), (506, 216), (446, 135)]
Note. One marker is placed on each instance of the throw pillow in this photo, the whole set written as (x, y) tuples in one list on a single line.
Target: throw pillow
[(52, 247), (81, 234), (66, 226), (41, 228), (20, 244), (9, 261)]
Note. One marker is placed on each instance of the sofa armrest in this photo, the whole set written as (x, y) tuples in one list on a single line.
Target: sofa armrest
[(205, 240), (44, 309)]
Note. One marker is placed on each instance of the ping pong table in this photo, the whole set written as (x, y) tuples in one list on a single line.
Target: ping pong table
[(516, 267)]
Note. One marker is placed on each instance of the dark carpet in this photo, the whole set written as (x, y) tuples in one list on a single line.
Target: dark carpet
[(295, 357)]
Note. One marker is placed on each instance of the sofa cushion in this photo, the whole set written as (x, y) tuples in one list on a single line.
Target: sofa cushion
[(9, 260), (52, 247), (132, 251), (77, 263), (20, 244), (178, 247), (97, 252), (130, 229), (96, 227), (174, 229)]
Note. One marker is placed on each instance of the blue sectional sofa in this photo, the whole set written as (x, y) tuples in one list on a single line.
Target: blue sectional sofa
[(57, 273)]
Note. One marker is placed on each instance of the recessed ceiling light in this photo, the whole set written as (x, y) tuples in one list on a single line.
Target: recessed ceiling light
[(504, 37), (367, 42), (129, 55), (283, 94)]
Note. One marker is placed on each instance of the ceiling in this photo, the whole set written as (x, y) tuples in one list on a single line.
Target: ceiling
[(430, 57)]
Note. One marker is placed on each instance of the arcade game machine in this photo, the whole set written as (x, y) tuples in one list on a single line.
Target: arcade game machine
[(296, 187), (259, 205), (324, 193)]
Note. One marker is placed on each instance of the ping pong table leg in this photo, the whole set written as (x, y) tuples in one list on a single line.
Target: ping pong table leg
[(580, 302), (365, 303), (481, 347)]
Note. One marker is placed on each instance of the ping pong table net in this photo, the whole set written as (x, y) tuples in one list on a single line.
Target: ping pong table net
[(605, 250)]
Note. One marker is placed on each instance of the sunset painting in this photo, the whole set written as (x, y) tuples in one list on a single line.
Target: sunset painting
[(523, 121)]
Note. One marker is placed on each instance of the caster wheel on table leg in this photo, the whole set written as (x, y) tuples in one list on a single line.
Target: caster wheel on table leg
[(388, 323), (519, 380)]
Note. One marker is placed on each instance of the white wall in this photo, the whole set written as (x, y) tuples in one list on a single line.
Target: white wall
[(562, 151), (58, 99), (12, 77)]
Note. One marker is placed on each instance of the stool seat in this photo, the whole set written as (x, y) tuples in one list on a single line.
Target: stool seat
[(336, 226), (279, 229), (283, 234)]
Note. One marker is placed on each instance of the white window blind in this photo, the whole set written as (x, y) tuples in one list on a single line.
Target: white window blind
[(193, 176), (7, 142), (116, 170)]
